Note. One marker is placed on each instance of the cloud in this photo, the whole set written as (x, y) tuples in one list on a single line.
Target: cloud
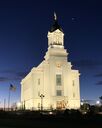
[(8, 79), (87, 63), (21, 74), (98, 75), (9, 71), (10, 75), (4, 79), (99, 83)]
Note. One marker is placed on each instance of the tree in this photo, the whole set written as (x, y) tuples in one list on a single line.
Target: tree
[(100, 100)]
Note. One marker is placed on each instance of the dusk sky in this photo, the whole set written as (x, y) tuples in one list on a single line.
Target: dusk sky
[(24, 25)]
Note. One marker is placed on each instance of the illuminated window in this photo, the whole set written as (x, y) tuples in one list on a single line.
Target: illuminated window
[(59, 93), (38, 105), (38, 81), (58, 79), (73, 83), (38, 93), (73, 95)]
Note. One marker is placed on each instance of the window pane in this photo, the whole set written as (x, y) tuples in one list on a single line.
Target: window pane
[(73, 83), (59, 93), (58, 79), (38, 81), (38, 93), (73, 95)]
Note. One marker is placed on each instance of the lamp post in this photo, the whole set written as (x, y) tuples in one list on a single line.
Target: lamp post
[(42, 96), (4, 103), (9, 99)]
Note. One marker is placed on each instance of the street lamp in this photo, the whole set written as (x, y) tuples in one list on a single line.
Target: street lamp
[(98, 102), (19, 104), (42, 96)]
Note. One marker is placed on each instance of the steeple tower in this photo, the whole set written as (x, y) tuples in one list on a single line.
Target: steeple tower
[(55, 34)]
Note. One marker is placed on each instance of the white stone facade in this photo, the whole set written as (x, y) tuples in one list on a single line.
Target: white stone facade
[(53, 78)]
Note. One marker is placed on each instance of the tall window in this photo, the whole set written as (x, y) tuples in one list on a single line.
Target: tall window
[(38, 105), (59, 92), (58, 79), (39, 81), (38, 93), (73, 83), (73, 95)]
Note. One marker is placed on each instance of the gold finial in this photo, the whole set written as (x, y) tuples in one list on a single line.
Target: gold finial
[(55, 16)]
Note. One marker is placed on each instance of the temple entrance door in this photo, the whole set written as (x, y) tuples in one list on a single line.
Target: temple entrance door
[(60, 104)]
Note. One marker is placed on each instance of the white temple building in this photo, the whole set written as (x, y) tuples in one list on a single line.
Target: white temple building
[(53, 84)]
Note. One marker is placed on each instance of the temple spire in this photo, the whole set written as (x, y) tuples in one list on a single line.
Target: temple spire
[(56, 34), (55, 26), (55, 16)]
